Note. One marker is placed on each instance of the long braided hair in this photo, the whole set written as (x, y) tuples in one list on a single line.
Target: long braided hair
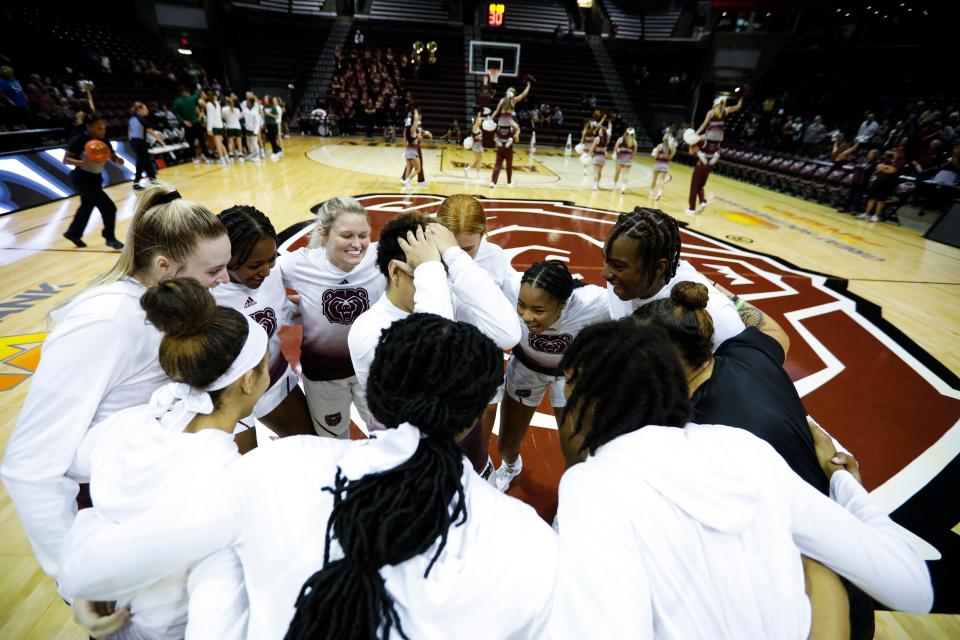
[(246, 226), (623, 377), (437, 375), (657, 236)]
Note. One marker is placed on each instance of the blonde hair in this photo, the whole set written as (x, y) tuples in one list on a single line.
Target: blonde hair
[(328, 214), (719, 105), (172, 229), (462, 214)]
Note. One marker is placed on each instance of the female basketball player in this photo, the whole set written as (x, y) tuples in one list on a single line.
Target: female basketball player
[(664, 508), (743, 384), (642, 262), (415, 260), (233, 128), (215, 125), (476, 131), (623, 151), (411, 154), (337, 279), (598, 152), (252, 122), (256, 290), (662, 155), (102, 357), (216, 359), (553, 308), (386, 537)]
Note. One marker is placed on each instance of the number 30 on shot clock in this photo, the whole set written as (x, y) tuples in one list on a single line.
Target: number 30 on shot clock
[(495, 17)]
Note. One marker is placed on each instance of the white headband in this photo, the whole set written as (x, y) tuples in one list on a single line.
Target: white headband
[(176, 403), (384, 450)]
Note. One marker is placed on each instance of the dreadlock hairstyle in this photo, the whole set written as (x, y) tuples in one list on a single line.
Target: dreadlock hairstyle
[(553, 277), (657, 236), (624, 376), (437, 375), (685, 318), (246, 226), (388, 249)]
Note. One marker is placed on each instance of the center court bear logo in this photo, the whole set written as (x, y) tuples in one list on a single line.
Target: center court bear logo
[(550, 344), (343, 306), (267, 319)]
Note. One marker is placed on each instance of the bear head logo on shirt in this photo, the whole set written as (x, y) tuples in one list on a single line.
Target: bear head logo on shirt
[(550, 344), (267, 319), (343, 306)]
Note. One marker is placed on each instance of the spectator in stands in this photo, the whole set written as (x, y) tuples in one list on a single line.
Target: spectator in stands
[(884, 182), (137, 131), (185, 108), (557, 117), (812, 137), (13, 98), (867, 129), (928, 162), (949, 133)]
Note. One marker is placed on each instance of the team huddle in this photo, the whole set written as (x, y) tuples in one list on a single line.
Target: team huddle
[(669, 525)]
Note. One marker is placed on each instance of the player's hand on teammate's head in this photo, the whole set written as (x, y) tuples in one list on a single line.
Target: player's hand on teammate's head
[(442, 236), (419, 246), (99, 619)]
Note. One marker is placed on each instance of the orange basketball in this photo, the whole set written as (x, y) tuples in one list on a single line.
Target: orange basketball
[(97, 151)]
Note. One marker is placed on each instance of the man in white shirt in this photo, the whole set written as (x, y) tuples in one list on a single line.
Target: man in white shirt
[(867, 128)]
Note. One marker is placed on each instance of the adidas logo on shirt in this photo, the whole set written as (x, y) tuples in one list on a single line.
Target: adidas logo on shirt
[(249, 303), (344, 282)]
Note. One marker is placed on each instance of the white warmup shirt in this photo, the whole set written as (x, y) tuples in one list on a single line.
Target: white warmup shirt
[(587, 305), (134, 462), (331, 300), (496, 262), (231, 117), (278, 529), (252, 120), (697, 533), (726, 320), (467, 294), (266, 306), (101, 357), (214, 117)]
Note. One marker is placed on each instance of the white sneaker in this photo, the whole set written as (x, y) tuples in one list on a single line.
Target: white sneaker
[(280, 153), (423, 184), (874, 218), (703, 205), (555, 525), (196, 160), (506, 473), (493, 185), (623, 187), (659, 193), (509, 184), (690, 212), (862, 216), (241, 159), (596, 185), (466, 173), (651, 193)]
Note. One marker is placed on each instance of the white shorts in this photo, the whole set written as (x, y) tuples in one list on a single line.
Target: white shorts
[(329, 402), (273, 396), (410, 154), (527, 387), (599, 159), (661, 167)]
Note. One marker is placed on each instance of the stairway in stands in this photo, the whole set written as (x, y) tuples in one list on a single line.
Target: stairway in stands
[(618, 92), (319, 79), (658, 22)]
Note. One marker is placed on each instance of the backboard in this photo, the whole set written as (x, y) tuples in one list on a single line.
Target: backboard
[(500, 55)]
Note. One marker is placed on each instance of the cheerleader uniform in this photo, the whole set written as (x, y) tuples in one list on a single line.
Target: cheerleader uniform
[(331, 300), (713, 135), (661, 161), (534, 363), (267, 306), (625, 157), (600, 150), (101, 357), (412, 150), (477, 133)]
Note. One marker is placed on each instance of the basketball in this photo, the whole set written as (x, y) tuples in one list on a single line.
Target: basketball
[(468, 143), (489, 124), (97, 151), (690, 136)]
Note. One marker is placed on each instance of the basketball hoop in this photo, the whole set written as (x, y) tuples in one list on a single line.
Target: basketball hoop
[(494, 74)]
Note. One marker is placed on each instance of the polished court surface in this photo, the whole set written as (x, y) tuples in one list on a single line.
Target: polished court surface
[(872, 311)]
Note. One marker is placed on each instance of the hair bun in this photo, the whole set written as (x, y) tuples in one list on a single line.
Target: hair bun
[(691, 295), (179, 307)]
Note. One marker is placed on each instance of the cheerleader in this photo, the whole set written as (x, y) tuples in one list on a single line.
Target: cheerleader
[(598, 152), (707, 150), (623, 151), (338, 280), (233, 128), (476, 133), (102, 357), (642, 263), (380, 538), (411, 154), (587, 134), (415, 257), (215, 125), (256, 290), (662, 155), (216, 360), (252, 122), (553, 308), (504, 139), (506, 108), (671, 529)]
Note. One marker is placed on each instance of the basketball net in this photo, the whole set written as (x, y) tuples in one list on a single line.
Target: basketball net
[(494, 74)]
